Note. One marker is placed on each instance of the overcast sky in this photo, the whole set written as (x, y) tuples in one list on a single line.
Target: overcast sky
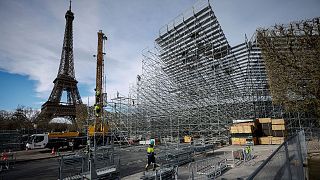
[(31, 37)]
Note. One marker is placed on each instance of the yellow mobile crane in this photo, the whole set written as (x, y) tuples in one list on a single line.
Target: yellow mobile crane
[(99, 127)]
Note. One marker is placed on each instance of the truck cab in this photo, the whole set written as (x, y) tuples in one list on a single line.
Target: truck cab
[(37, 141)]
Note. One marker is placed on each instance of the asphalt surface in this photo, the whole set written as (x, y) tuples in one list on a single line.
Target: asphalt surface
[(37, 169), (131, 161)]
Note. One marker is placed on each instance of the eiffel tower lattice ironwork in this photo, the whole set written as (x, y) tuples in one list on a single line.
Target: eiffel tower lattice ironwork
[(65, 81)]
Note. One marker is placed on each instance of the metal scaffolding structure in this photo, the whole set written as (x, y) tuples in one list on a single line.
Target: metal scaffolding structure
[(194, 83)]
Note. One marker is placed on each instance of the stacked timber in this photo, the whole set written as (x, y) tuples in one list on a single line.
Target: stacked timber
[(266, 126), (243, 132), (273, 131), (279, 131)]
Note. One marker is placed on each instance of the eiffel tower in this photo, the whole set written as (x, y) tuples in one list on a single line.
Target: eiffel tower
[(65, 80)]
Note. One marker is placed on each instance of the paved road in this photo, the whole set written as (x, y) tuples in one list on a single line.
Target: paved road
[(39, 169), (131, 162)]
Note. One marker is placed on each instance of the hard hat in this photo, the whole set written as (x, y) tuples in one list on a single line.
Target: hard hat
[(151, 142)]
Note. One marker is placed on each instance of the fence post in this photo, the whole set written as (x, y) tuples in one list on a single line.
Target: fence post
[(82, 164), (60, 168), (176, 172), (288, 160), (192, 167), (300, 155)]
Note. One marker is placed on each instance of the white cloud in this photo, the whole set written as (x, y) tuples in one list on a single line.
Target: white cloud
[(31, 34)]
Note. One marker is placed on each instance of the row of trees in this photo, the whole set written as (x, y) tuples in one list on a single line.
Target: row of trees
[(27, 118), (21, 118)]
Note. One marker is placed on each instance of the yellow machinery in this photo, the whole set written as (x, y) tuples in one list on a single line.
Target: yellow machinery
[(63, 134), (99, 127), (100, 131), (187, 139)]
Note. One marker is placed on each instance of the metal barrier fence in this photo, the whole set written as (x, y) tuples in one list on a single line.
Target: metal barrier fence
[(313, 140), (164, 173), (7, 161), (103, 164), (209, 168), (169, 160), (175, 157), (286, 162)]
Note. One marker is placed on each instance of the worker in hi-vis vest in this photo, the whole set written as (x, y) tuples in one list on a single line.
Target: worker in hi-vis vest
[(150, 155), (97, 95), (97, 110)]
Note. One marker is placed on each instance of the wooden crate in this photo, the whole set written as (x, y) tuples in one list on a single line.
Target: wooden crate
[(245, 124), (241, 129), (277, 140), (187, 139), (243, 141), (265, 140), (264, 120), (246, 129), (233, 129), (278, 127), (238, 141), (277, 121)]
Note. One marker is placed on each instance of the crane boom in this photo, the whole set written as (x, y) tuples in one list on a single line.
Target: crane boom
[(99, 124), (99, 73)]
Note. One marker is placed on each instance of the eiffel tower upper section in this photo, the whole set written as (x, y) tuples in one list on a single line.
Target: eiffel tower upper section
[(65, 81), (66, 64)]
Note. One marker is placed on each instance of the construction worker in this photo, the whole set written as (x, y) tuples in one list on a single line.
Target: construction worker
[(97, 95), (97, 109), (150, 155), (97, 92), (247, 151)]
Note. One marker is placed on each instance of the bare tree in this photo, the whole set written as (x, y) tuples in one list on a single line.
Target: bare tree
[(291, 54)]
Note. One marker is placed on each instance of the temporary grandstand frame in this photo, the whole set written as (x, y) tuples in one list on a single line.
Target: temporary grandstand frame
[(194, 83)]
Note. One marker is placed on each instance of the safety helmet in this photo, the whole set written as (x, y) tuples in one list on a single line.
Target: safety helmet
[(151, 142)]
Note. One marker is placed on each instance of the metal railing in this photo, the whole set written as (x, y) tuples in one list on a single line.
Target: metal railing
[(103, 163), (7, 161), (209, 168), (175, 157), (286, 162), (164, 173)]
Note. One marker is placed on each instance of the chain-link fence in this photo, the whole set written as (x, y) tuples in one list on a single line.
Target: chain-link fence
[(286, 162), (313, 147)]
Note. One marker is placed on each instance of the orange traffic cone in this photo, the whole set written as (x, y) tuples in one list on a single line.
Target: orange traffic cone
[(53, 152)]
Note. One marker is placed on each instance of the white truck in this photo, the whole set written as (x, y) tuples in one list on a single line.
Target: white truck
[(56, 140)]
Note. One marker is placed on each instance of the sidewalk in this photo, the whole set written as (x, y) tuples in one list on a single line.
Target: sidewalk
[(243, 170)]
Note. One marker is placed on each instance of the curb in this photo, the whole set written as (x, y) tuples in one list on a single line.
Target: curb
[(28, 160), (42, 158)]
